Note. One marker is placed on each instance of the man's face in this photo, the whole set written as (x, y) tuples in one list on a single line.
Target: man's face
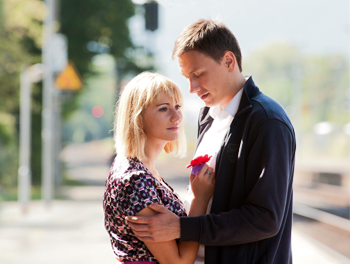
[(208, 78)]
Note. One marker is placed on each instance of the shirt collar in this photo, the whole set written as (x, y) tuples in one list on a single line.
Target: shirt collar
[(230, 109)]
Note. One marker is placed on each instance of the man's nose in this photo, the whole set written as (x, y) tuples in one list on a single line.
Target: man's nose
[(194, 86)]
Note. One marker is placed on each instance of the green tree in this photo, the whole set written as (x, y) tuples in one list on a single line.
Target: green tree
[(311, 87), (96, 27), (20, 44), (91, 26), (281, 68)]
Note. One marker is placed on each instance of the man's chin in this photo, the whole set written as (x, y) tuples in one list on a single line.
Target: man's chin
[(209, 104)]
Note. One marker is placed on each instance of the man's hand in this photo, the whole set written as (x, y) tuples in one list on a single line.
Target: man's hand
[(164, 226)]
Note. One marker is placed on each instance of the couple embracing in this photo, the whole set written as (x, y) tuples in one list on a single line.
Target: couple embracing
[(239, 205)]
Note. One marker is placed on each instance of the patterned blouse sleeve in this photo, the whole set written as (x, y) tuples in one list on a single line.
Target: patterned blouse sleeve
[(136, 193)]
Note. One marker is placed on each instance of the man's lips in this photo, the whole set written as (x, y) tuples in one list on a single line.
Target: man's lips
[(203, 96)]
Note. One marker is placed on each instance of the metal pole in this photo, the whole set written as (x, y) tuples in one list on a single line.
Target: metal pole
[(47, 113), (349, 137), (24, 171), (58, 138)]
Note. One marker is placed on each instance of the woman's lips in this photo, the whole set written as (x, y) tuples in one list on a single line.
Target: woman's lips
[(173, 128)]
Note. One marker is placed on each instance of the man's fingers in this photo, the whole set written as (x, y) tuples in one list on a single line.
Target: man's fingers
[(138, 227), (157, 207), (137, 219), (146, 238), (142, 235), (142, 232)]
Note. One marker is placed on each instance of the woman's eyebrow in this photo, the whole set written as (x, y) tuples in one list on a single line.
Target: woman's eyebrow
[(163, 104)]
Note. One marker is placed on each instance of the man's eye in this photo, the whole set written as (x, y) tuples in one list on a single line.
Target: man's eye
[(198, 75)]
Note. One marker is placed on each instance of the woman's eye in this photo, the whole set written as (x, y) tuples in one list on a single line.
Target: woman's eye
[(163, 109), (177, 107)]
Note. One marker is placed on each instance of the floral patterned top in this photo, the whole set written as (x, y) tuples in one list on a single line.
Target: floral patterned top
[(130, 187)]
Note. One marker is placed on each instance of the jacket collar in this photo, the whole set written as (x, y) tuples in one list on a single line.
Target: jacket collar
[(250, 90), (204, 116)]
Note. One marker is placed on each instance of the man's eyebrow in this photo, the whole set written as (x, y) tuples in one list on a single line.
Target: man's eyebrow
[(194, 70)]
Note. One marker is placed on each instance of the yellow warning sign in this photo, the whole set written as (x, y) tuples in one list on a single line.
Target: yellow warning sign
[(69, 78)]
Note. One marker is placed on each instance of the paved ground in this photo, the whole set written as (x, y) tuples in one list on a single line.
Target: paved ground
[(71, 231)]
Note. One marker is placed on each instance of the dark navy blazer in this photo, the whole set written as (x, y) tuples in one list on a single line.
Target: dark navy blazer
[(251, 213)]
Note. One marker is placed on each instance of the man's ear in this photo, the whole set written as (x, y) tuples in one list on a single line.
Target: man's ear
[(229, 60)]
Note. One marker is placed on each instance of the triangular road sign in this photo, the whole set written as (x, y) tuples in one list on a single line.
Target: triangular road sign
[(69, 78)]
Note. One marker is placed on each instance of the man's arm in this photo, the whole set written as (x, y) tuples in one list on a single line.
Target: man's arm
[(271, 161), (262, 212), (164, 226)]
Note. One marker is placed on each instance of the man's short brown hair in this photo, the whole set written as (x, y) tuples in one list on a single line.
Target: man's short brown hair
[(210, 37)]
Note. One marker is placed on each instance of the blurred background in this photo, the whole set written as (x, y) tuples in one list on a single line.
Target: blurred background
[(63, 64)]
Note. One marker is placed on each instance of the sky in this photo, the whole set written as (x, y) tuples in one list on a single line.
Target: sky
[(315, 26)]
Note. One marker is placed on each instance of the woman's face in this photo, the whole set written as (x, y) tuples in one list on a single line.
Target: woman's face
[(162, 119)]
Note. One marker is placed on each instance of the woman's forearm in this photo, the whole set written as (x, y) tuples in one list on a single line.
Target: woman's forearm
[(183, 252), (188, 250)]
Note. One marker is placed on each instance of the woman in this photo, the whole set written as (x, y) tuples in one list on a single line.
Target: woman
[(148, 120)]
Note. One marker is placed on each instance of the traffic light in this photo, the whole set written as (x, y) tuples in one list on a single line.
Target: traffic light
[(151, 15)]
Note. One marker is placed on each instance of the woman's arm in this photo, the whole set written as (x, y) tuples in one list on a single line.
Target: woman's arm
[(184, 252)]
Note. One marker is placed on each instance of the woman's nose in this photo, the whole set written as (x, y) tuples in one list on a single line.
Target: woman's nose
[(176, 115)]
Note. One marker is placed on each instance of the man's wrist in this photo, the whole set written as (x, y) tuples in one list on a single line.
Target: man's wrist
[(190, 228), (178, 228)]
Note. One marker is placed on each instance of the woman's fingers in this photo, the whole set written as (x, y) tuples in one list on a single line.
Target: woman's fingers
[(200, 173), (209, 173), (203, 170)]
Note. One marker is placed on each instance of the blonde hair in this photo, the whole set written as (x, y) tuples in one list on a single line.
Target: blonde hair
[(140, 92)]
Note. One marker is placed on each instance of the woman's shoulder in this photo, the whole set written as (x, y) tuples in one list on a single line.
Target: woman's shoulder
[(125, 169)]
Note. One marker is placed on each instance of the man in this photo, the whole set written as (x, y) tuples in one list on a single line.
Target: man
[(253, 144)]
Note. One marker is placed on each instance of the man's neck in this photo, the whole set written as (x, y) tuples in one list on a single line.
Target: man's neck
[(238, 82)]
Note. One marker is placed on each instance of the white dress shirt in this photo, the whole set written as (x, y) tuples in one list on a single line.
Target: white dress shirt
[(211, 144)]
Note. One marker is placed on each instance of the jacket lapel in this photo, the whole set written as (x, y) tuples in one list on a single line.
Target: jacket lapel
[(204, 123), (244, 105)]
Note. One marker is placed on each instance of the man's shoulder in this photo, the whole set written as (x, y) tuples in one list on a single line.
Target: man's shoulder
[(265, 107)]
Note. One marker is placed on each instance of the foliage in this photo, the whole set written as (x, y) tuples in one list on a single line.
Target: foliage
[(97, 27), (94, 28), (81, 125), (91, 26), (20, 44), (317, 82), (311, 87)]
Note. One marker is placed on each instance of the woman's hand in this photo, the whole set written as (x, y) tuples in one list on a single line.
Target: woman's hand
[(203, 184)]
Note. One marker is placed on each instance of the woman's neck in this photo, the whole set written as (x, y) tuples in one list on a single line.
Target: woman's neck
[(152, 152)]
